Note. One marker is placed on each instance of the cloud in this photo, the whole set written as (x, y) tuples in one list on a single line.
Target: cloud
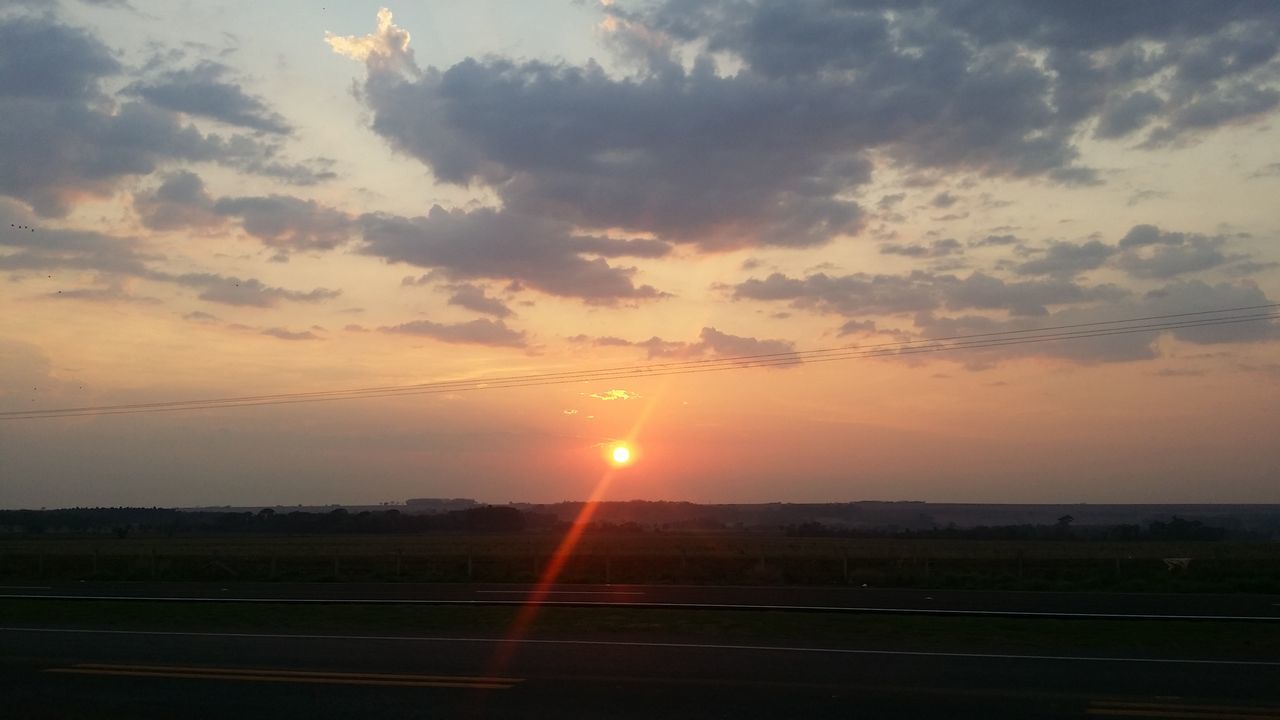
[(480, 331), (1150, 252), (863, 294), (278, 221), (710, 341), (115, 291), (996, 241), (497, 244), (118, 259), (474, 298), (203, 91), (615, 395), (180, 202), (70, 139), (944, 200), (1064, 259), (249, 292), (284, 334), (771, 150), (935, 249), (286, 222), (387, 47)]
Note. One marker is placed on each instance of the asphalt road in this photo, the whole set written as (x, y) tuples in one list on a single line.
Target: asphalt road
[(54, 673), (855, 599)]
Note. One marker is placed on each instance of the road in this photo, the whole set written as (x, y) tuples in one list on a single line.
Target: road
[(56, 673), (899, 601)]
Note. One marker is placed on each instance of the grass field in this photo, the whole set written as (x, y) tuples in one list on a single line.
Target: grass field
[(656, 558)]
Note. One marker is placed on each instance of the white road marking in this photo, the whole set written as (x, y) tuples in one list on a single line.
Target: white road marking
[(654, 605), (672, 645)]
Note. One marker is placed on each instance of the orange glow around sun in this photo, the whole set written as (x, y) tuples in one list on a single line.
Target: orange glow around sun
[(621, 455)]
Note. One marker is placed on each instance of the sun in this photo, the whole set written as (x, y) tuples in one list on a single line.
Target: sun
[(621, 455)]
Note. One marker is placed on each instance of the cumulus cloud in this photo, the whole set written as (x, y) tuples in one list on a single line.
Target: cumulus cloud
[(65, 139), (279, 221), (473, 297), (480, 331), (387, 47), (1149, 252), (283, 221), (1064, 259), (543, 254), (205, 91), (772, 151), (180, 202)]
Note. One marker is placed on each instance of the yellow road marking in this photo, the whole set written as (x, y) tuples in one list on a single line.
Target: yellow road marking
[(291, 676)]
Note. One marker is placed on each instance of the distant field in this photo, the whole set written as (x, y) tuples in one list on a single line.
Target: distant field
[(657, 558)]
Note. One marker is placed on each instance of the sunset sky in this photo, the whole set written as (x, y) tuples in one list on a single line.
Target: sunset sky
[(211, 199)]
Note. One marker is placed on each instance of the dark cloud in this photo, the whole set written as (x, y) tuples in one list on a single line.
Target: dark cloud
[(1032, 297), (935, 249), (855, 294), (205, 91), (1150, 252), (42, 59), (480, 331), (1064, 259), (279, 221), (944, 200), (64, 138), (1166, 261), (473, 297), (180, 202), (996, 241), (771, 152), (862, 294), (282, 221), (888, 202), (542, 254)]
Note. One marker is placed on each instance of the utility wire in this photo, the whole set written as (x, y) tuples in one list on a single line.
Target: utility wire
[(949, 343)]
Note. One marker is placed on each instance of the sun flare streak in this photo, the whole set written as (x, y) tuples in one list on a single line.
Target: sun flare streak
[(620, 456)]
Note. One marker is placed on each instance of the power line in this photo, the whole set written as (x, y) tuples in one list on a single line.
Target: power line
[(949, 343)]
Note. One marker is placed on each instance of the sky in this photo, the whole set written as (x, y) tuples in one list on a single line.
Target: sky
[(222, 199)]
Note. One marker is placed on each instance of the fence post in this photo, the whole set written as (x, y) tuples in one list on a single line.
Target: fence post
[(846, 566)]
